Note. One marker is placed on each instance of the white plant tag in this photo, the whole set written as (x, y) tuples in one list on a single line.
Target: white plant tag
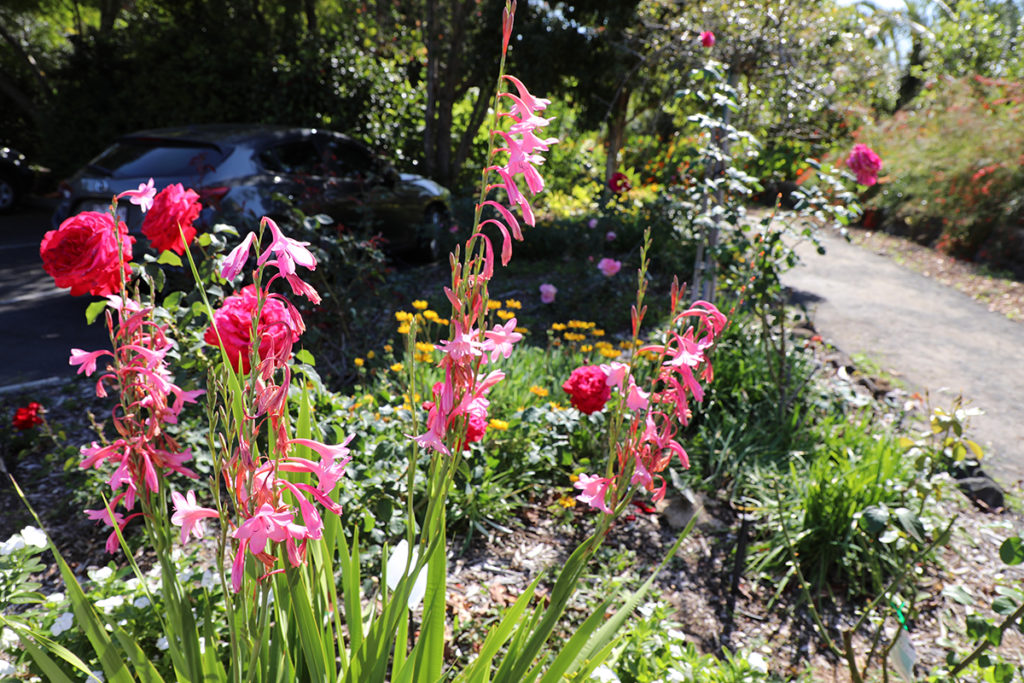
[(903, 657)]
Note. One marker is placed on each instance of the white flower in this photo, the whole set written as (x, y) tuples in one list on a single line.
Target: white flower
[(15, 542), (131, 585), (100, 575), (6, 668), (161, 643), (34, 536), (95, 677), (63, 623), (396, 570), (757, 662), (55, 597), (141, 602), (109, 604), (8, 639), (604, 675)]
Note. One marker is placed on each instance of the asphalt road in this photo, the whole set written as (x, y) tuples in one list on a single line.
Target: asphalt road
[(930, 336), (39, 323)]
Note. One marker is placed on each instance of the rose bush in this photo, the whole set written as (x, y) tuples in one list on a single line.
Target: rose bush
[(173, 208), (83, 254)]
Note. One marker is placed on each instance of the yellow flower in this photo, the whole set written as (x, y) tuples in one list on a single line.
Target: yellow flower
[(539, 391), (403, 328), (587, 348), (572, 336), (430, 315), (554, 405), (597, 333), (492, 305), (567, 502), (574, 478), (424, 358), (370, 355), (512, 303), (359, 362), (506, 315), (522, 330), (442, 321), (608, 352), (387, 349), (403, 316), (419, 305), (397, 367), (500, 425), (424, 347), (558, 327)]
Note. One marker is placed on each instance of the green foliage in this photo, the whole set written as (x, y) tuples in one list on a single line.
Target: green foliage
[(959, 192)]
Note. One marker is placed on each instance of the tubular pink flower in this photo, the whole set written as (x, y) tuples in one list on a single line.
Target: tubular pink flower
[(636, 398), (499, 340), (616, 373), (232, 265), (142, 197), (529, 102), (188, 515), (594, 491), (86, 360), (289, 252)]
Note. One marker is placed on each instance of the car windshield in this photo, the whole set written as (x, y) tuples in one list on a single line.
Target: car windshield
[(157, 158)]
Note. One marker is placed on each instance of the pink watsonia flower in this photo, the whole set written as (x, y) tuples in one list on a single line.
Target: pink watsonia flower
[(86, 360), (289, 252), (529, 102), (615, 373), (609, 267), (233, 263), (269, 526), (594, 491), (188, 515), (120, 520), (865, 163), (707, 38), (499, 340), (142, 197), (547, 293), (636, 398), (463, 345)]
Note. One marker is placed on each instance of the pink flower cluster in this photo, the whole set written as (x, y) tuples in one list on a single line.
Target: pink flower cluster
[(149, 401), (650, 442), (457, 415)]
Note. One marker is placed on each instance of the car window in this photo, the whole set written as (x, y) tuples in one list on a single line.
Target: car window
[(145, 158), (349, 160), (299, 156)]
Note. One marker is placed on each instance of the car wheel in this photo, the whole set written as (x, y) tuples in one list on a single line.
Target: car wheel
[(8, 195), (437, 219)]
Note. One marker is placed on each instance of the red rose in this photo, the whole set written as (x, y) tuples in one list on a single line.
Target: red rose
[(82, 254), (174, 206), (619, 183), (279, 326), (27, 417), (588, 389)]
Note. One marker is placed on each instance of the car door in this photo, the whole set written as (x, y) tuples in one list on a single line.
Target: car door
[(297, 172)]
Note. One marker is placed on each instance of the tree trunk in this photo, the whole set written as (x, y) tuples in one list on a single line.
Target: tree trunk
[(617, 119)]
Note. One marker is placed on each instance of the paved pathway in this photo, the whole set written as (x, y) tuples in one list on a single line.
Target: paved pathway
[(929, 335)]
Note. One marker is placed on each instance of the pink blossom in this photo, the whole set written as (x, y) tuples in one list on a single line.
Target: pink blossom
[(188, 515), (615, 373), (547, 293), (142, 197), (707, 38), (864, 162), (289, 252), (636, 398), (232, 265), (499, 340), (269, 525), (610, 236), (592, 223), (619, 183), (609, 267), (594, 491), (86, 360)]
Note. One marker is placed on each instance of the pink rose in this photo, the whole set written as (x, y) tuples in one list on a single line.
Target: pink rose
[(609, 266), (82, 254), (588, 388), (279, 327), (707, 38), (174, 206), (547, 293), (865, 163)]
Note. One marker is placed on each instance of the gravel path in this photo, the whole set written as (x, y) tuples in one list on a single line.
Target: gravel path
[(929, 336)]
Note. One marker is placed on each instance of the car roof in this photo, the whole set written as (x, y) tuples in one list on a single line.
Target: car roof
[(228, 134)]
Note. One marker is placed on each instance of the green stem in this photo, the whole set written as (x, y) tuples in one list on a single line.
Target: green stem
[(985, 642)]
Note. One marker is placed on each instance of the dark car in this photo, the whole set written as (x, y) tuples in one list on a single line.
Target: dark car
[(244, 172), (16, 178)]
